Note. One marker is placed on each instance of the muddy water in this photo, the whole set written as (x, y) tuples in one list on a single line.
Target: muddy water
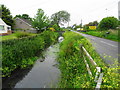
[(44, 73)]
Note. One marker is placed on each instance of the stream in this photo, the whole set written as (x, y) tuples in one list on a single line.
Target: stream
[(43, 74)]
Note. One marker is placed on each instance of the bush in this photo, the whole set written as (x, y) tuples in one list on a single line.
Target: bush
[(73, 69), (20, 53), (56, 27), (20, 34), (108, 23), (113, 34)]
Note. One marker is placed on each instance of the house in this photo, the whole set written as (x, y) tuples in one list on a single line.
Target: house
[(4, 28), (24, 25)]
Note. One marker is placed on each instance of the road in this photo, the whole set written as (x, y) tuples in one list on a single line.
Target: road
[(107, 49)]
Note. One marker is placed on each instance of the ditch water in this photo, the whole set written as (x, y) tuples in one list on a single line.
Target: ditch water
[(43, 74)]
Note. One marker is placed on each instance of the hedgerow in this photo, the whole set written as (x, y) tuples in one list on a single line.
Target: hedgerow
[(20, 53), (73, 70)]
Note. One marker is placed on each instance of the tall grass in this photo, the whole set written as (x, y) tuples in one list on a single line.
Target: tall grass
[(73, 70)]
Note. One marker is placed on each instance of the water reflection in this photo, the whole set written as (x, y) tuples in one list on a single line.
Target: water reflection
[(43, 74), (9, 82)]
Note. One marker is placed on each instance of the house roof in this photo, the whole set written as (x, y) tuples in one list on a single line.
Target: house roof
[(28, 22), (3, 23)]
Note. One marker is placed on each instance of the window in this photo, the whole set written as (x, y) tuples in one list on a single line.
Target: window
[(20, 22), (2, 27), (9, 28)]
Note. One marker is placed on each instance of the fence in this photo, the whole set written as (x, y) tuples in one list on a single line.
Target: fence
[(99, 74)]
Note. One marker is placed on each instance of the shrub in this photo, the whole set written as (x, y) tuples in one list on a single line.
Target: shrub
[(56, 27), (108, 23), (73, 69), (20, 34), (20, 53)]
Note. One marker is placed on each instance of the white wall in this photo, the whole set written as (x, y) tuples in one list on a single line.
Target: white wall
[(2, 23), (5, 29)]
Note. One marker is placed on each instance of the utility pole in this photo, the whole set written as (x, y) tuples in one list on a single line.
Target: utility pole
[(106, 12), (81, 23)]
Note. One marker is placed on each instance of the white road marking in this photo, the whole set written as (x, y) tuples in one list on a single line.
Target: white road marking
[(108, 44)]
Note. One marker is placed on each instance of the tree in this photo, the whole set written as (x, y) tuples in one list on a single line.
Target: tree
[(40, 21), (56, 27), (118, 22), (24, 16), (60, 17), (94, 23), (6, 16), (108, 23), (86, 27)]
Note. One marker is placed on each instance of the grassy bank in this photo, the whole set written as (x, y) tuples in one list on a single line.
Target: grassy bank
[(17, 35), (113, 35), (73, 70), (20, 53)]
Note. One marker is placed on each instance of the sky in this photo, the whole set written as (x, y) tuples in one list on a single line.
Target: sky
[(80, 10)]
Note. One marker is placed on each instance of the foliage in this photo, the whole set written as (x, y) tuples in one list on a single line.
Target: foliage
[(20, 53), (24, 16), (56, 27), (6, 16), (108, 23), (14, 36), (40, 21), (20, 34), (118, 22), (86, 26), (113, 34), (60, 17), (73, 70), (72, 66), (94, 23)]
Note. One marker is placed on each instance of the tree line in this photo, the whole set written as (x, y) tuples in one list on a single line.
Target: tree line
[(40, 22)]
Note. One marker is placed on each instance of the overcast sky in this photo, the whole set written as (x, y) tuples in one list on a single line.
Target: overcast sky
[(87, 10)]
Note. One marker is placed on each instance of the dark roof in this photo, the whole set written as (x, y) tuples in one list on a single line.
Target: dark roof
[(26, 20)]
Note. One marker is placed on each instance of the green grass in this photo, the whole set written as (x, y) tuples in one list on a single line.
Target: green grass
[(72, 66), (102, 34), (15, 36)]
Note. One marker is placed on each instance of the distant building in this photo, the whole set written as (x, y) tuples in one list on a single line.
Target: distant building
[(119, 10)]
